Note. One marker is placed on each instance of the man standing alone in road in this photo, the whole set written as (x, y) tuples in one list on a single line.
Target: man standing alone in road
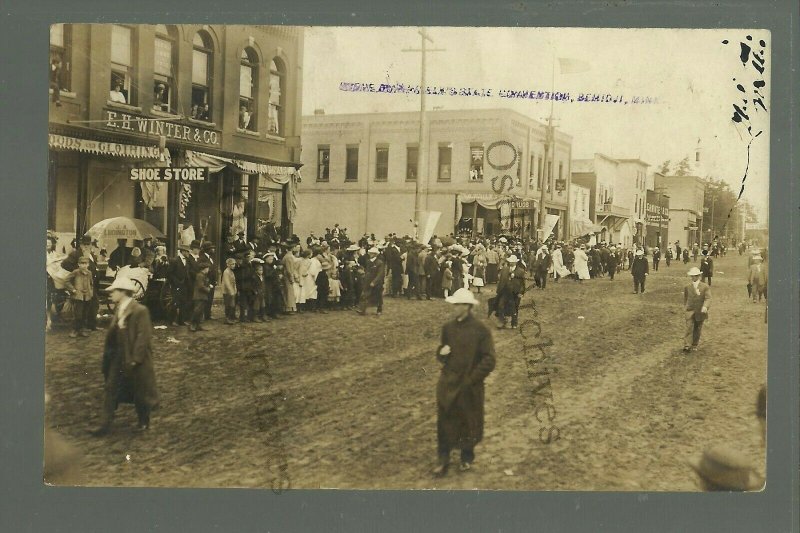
[(467, 355), (696, 299), (639, 270)]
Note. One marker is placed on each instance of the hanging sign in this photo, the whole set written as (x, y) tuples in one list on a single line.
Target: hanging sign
[(163, 174)]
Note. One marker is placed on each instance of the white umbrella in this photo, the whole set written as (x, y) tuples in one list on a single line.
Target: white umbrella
[(109, 230)]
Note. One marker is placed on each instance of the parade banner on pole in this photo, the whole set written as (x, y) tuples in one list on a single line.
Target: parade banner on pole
[(549, 224), (429, 221)]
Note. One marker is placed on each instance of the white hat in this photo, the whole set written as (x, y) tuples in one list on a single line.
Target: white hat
[(694, 271), (639, 252), (462, 296), (502, 239), (353, 248), (512, 259), (374, 250), (123, 284)]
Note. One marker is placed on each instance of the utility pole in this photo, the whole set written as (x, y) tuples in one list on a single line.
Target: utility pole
[(420, 184), (549, 137)]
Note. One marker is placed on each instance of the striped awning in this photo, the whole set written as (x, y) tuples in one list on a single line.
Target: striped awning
[(130, 151)]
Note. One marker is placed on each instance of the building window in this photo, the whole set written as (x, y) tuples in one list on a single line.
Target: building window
[(381, 163), (351, 172), (277, 74), (248, 90), (202, 54), (549, 176), (323, 163), (60, 60), (164, 88), (445, 158), (412, 163), (476, 162), (121, 90)]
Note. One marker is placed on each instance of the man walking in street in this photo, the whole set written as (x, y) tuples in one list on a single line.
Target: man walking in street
[(510, 288), (372, 294), (467, 356), (639, 270), (696, 300), (706, 268), (656, 258), (178, 277)]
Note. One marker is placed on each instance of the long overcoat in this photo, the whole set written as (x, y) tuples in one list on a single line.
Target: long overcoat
[(460, 390), (131, 343)]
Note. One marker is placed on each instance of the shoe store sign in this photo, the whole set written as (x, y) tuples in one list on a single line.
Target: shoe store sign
[(165, 174)]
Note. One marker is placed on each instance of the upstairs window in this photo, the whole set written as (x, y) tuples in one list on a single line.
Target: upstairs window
[(323, 163), (202, 54), (60, 60), (412, 162), (248, 90), (277, 74), (445, 162), (121, 90), (164, 87), (477, 154), (381, 163), (351, 172)]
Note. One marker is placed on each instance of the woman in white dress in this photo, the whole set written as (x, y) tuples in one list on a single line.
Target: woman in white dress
[(308, 281), (290, 284), (559, 270), (581, 263)]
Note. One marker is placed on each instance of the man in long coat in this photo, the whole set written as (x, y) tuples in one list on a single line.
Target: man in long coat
[(374, 274), (640, 269), (467, 356), (127, 359), (696, 301), (706, 268)]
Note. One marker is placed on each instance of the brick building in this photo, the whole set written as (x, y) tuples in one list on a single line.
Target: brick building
[(129, 96)]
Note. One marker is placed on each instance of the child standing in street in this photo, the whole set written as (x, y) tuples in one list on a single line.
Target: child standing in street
[(335, 289), (447, 278), (229, 291), (200, 292), (80, 285)]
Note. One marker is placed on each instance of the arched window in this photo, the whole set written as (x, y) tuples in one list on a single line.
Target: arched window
[(277, 84), (122, 85), (202, 62), (248, 90), (164, 86), (60, 52)]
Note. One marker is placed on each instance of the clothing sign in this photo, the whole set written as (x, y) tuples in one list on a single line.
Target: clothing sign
[(158, 174)]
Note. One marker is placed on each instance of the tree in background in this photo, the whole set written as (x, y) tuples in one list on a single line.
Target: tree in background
[(720, 201), (664, 168), (683, 168)]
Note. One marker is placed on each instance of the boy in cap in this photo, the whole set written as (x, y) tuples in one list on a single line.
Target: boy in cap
[(696, 300), (229, 291), (467, 355), (80, 285), (200, 289)]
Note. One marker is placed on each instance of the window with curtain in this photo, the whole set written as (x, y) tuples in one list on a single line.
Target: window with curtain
[(121, 90), (445, 159), (202, 54), (323, 163), (277, 73), (248, 90), (164, 88), (476, 152), (412, 162), (60, 57)]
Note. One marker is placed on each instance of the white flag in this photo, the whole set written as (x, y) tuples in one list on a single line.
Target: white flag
[(428, 221), (549, 224), (572, 66)]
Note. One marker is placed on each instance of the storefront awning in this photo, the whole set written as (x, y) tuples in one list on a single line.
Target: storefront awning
[(580, 227), (280, 174), (504, 202), (130, 151)]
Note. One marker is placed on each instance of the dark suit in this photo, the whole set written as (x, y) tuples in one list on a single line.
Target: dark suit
[(693, 303), (372, 293), (178, 278), (706, 270), (200, 290), (128, 365), (395, 265), (213, 279), (639, 270), (431, 271), (120, 257)]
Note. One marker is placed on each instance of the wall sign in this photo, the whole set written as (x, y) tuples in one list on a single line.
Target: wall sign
[(119, 120), (163, 174)]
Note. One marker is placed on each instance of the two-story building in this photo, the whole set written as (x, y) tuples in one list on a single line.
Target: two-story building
[(657, 218), (226, 98), (631, 190), (484, 172), (686, 200)]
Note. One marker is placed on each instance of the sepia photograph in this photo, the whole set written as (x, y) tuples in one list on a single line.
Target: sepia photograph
[(456, 258)]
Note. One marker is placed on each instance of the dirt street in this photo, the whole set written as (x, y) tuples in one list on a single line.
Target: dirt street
[(340, 400)]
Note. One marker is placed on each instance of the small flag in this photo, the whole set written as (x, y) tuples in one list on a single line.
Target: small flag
[(572, 66)]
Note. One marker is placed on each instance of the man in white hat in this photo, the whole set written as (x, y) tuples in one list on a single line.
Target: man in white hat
[(696, 300), (127, 359), (467, 356), (374, 274), (640, 269), (510, 288)]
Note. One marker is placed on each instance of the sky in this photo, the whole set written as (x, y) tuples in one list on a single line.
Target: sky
[(690, 72)]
